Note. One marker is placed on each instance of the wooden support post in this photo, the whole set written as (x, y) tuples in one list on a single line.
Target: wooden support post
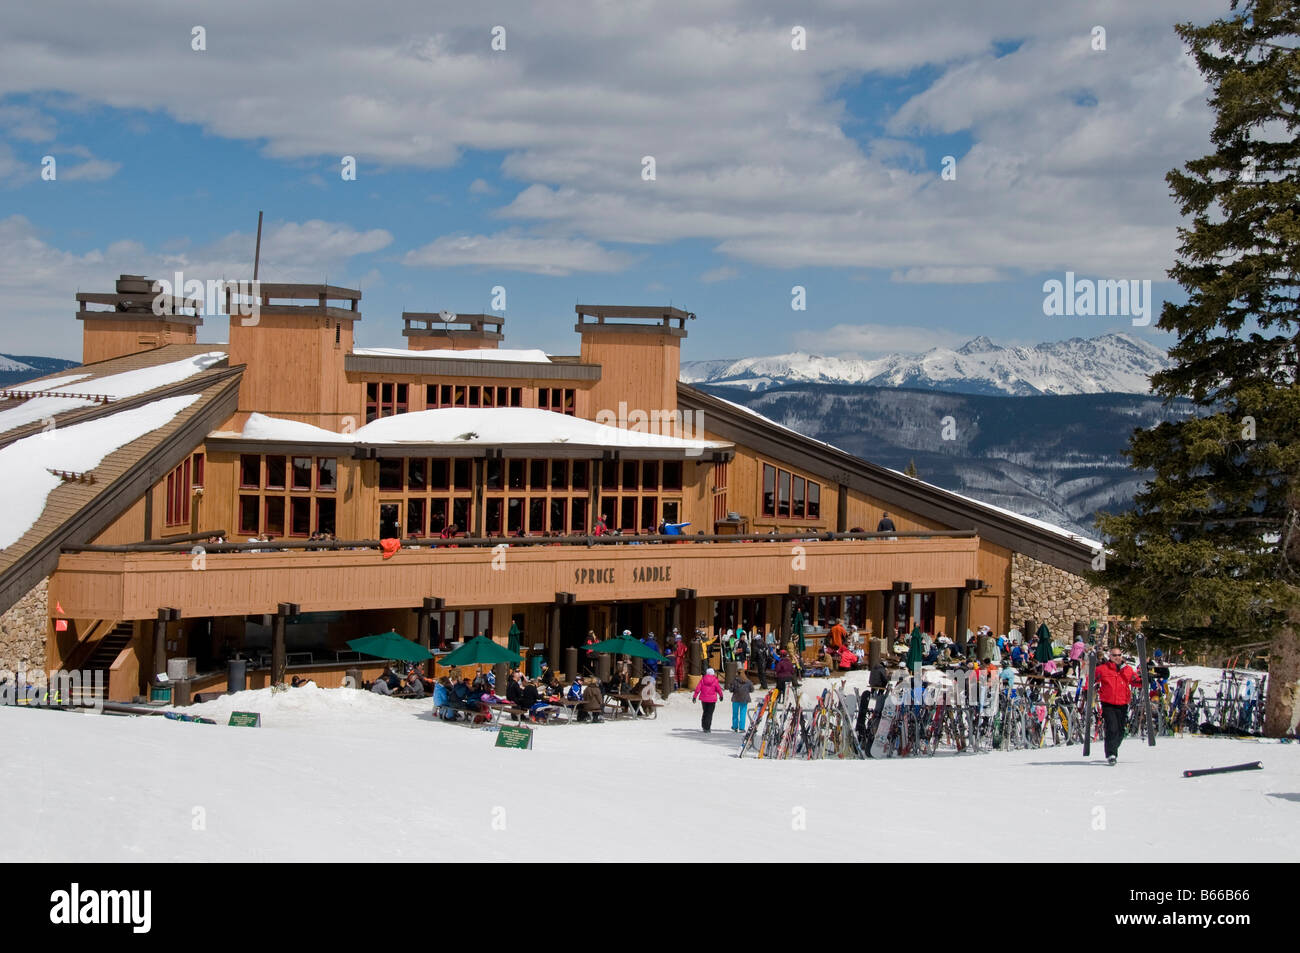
[(160, 645), (424, 617), (279, 659), (553, 638), (963, 615)]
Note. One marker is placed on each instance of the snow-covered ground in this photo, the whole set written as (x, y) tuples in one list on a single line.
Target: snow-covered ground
[(346, 775)]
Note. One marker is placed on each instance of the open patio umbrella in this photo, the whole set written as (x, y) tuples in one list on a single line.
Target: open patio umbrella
[(479, 650), (390, 645), (1044, 653), (626, 645)]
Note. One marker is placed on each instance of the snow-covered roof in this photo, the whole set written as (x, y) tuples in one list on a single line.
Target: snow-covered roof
[(51, 382), (114, 386), (474, 426), (518, 355), (26, 463)]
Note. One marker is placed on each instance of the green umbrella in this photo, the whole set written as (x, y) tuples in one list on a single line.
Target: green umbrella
[(479, 650), (1044, 652), (512, 640), (390, 645), (626, 645), (915, 650), (798, 630)]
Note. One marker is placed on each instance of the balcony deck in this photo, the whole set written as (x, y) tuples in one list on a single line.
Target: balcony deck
[(133, 584)]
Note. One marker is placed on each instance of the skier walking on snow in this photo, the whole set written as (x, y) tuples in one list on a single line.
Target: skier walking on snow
[(708, 692), (1115, 682), (740, 691)]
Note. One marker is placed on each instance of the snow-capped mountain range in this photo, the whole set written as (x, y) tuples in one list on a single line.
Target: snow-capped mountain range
[(1109, 364)]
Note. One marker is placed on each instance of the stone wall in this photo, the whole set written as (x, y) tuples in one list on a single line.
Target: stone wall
[(23, 629), (1054, 596)]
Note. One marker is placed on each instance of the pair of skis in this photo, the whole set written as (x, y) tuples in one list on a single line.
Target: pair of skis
[(1092, 696)]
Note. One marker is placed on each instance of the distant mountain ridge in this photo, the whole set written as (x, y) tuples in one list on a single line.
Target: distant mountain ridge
[(16, 368), (1057, 459), (1113, 363)]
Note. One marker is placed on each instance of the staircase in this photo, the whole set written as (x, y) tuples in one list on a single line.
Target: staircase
[(108, 648)]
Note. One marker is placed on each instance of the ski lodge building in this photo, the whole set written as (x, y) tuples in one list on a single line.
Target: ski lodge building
[(491, 466)]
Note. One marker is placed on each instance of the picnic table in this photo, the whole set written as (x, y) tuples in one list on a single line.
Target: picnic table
[(617, 711)]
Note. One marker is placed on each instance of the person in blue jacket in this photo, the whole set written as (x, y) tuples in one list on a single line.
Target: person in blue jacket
[(651, 666)]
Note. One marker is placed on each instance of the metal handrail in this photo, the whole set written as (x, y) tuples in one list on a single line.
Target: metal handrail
[(474, 542)]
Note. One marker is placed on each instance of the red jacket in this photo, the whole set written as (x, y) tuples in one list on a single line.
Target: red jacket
[(1113, 683)]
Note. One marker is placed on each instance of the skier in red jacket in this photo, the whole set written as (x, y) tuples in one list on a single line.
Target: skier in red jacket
[(1115, 681)]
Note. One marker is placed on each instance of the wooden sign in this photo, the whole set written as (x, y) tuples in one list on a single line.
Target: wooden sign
[(245, 719), (514, 737)]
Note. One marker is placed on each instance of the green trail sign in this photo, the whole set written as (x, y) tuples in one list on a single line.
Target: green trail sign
[(511, 737), (245, 719)]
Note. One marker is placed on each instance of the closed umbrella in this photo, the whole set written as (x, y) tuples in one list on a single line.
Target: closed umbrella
[(390, 645), (915, 649), (512, 638), (1044, 652), (798, 631)]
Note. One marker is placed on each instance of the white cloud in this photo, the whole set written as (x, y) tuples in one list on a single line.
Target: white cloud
[(872, 340), (941, 275), (38, 281), (482, 187), (92, 170), (754, 144), (514, 252), (723, 273)]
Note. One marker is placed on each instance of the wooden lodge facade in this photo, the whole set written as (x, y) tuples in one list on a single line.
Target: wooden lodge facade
[(494, 469)]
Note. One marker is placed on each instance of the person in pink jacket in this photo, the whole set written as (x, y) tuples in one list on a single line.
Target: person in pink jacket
[(708, 693)]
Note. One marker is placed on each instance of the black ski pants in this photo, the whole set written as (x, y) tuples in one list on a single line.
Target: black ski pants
[(706, 719), (1115, 720)]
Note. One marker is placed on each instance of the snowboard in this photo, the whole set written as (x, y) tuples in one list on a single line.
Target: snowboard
[(1089, 720), (880, 744), (1146, 690)]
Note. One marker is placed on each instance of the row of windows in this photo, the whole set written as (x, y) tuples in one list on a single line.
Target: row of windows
[(528, 515), (281, 516), (386, 399), (472, 395), (181, 484), (273, 470), (787, 495), (418, 474)]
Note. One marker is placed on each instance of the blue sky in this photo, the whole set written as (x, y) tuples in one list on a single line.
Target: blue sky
[(522, 167)]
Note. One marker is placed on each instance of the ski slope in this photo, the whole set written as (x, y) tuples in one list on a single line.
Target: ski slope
[(346, 775)]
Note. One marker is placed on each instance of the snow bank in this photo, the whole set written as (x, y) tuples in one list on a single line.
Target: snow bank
[(77, 448)]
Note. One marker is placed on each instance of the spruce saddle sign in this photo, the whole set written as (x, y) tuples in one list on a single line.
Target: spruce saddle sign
[(604, 575), (245, 719)]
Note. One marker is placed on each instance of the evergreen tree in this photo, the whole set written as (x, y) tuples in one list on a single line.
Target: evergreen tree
[(911, 468), (1213, 540)]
